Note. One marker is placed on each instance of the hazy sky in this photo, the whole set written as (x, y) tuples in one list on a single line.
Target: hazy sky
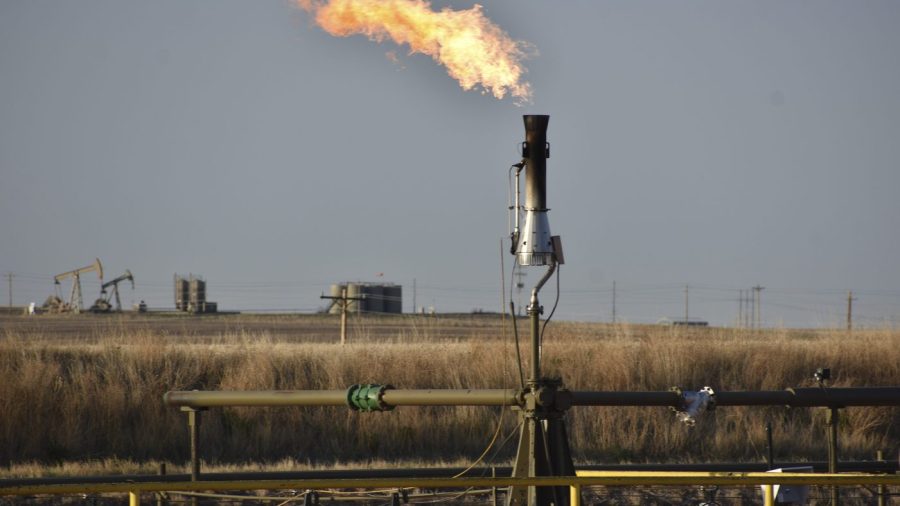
[(719, 144)]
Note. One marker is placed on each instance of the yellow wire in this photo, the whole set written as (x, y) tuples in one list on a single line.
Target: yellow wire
[(486, 450)]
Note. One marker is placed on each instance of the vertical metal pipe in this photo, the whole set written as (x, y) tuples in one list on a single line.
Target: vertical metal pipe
[(494, 489), (194, 427), (768, 495), (534, 313), (575, 495), (160, 500), (832, 451), (193, 423), (134, 498), (536, 171), (882, 490), (770, 451)]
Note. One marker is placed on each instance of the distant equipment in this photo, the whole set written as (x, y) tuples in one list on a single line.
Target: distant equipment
[(682, 322), (56, 304), (373, 298), (691, 322), (190, 295), (104, 304)]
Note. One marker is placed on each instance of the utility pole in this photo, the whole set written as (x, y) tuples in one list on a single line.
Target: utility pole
[(685, 304), (740, 318), (850, 300), (757, 303), (344, 301), (614, 303), (9, 277), (415, 307), (748, 309), (520, 284)]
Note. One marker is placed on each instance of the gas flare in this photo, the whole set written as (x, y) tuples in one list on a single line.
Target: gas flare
[(475, 51)]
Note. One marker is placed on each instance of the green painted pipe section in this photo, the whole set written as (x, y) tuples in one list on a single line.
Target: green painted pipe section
[(367, 398)]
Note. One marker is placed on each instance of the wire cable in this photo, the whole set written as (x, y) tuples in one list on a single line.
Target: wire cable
[(512, 312), (487, 449)]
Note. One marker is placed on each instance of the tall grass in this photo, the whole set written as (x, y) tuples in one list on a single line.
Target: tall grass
[(99, 396)]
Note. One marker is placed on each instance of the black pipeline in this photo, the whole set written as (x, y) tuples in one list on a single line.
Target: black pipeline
[(791, 397)]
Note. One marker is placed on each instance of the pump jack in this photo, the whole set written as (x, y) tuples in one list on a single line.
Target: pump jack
[(55, 303), (102, 305)]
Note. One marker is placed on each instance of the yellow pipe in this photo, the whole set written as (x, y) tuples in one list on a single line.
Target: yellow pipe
[(769, 495), (134, 498), (584, 478), (575, 495)]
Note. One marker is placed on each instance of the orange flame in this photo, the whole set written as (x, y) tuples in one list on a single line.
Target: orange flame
[(473, 49)]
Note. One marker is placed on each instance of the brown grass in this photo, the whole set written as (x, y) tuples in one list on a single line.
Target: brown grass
[(96, 395)]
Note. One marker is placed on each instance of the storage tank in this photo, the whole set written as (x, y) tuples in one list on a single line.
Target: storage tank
[(198, 294), (336, 290), (393, 299), (355, 290), (182, 293), (374, 302)]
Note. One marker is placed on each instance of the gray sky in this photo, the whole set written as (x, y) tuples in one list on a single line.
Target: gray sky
[(718, 144)]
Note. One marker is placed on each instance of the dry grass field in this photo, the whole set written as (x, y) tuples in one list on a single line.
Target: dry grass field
[(89, 389)]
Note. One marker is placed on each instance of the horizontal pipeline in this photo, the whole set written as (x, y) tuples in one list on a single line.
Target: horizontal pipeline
[(634, 478), (880, 467), (792, 397), (272, 398)]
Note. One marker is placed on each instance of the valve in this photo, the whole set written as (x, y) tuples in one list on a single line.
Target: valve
[(693, 403)]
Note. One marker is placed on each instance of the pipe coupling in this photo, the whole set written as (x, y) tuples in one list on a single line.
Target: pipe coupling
[(367, 397)]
